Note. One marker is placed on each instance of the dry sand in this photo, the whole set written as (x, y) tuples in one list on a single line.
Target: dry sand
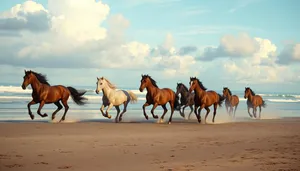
[(260, 145)]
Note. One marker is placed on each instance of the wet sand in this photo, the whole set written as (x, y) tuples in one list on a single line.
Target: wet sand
[(259, 145)]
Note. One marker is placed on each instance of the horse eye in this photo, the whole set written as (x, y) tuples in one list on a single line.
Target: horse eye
[(100, 83)]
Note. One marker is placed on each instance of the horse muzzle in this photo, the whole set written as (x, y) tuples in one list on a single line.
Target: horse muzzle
[(97, 91), (23, 87), (245, 97)]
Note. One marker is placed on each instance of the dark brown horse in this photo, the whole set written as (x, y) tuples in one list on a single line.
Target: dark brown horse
[(43, 93), (204, 98), (186, 99), (231, 101), (156, 96), (253, 101)]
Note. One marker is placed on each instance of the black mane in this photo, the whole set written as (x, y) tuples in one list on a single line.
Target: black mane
[(199, 82), (42, 78), (226, 88), (181, 84), (152, 81), (252, 92)]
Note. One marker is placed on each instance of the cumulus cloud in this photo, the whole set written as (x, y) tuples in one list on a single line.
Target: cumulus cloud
[(230, 46), (290, 54), (27, 16)]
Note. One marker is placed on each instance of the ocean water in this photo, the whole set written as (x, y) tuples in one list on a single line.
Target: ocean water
[(13, 106)]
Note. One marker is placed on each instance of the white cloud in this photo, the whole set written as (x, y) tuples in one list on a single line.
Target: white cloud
[(230, 46), (290, 54), (27, 16)]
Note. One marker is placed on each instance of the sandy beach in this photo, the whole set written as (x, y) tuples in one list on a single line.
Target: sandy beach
[(257, 145)]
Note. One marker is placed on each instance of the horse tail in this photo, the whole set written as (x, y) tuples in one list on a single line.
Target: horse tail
[(221, 99), (77, 96), (133, 97), (264, 104)]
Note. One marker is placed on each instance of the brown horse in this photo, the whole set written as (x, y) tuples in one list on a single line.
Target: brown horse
[(156, 96), (186, 99), (231, 101), (43, 93), (204, 98), (254, 101)]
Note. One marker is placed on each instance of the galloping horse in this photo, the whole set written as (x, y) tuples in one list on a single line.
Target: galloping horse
[(204, 98), (253, 101), (230, 101), (156, 96), (186, 99), (113, 97), (43, 93)]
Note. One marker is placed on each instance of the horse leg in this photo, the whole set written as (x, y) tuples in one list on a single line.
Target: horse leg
[(118, 112), (144, 107), (235, 110), (124, 110), (40, 108), (249, 112), (182, 113), (163, 115), (191, 106), (254, 111), (108, 108), (59, 107), (207, 112), (102, 111), (259, 112), (215, 112), (199, 113), (198, 116), (172, 111), (152, 111), (65, 103), (29, 111)]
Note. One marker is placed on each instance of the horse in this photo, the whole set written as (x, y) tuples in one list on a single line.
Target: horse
[(231, 101), (186, 99), (204, 98), (253, 101), (113, 97), (43, 93), (156, 96)]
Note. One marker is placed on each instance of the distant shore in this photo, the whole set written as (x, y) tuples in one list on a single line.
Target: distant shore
[(259, 145)]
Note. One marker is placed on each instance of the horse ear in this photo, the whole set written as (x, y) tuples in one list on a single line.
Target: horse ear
[(97, 78), (25, 71)]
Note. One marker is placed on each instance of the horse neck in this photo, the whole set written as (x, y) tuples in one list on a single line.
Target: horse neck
[(151, 89), (228, 97), (250, 97), (107, 90), (35, 85), (199, 91)]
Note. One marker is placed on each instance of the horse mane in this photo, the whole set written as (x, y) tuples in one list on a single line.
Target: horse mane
[(199, 82), (109, 83), (226, 88), (42, 78), (252, 92), (151, 79), (181, 84)]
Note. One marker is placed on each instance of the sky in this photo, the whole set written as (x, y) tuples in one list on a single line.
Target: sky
[(225, 43)]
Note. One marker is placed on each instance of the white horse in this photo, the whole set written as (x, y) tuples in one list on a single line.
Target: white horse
[(113, 97)]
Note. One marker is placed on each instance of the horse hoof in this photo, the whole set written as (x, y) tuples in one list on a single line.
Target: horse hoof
[(147, 117), (169, 123), (32, 117), (155, 117), (45, 115), (108, 116)]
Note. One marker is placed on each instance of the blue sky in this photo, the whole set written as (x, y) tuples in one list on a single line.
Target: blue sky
[(234, 43)]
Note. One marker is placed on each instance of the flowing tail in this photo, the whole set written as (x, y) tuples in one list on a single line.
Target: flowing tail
[(264, 104), (133, 97), (221, 99), (77, 96)]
